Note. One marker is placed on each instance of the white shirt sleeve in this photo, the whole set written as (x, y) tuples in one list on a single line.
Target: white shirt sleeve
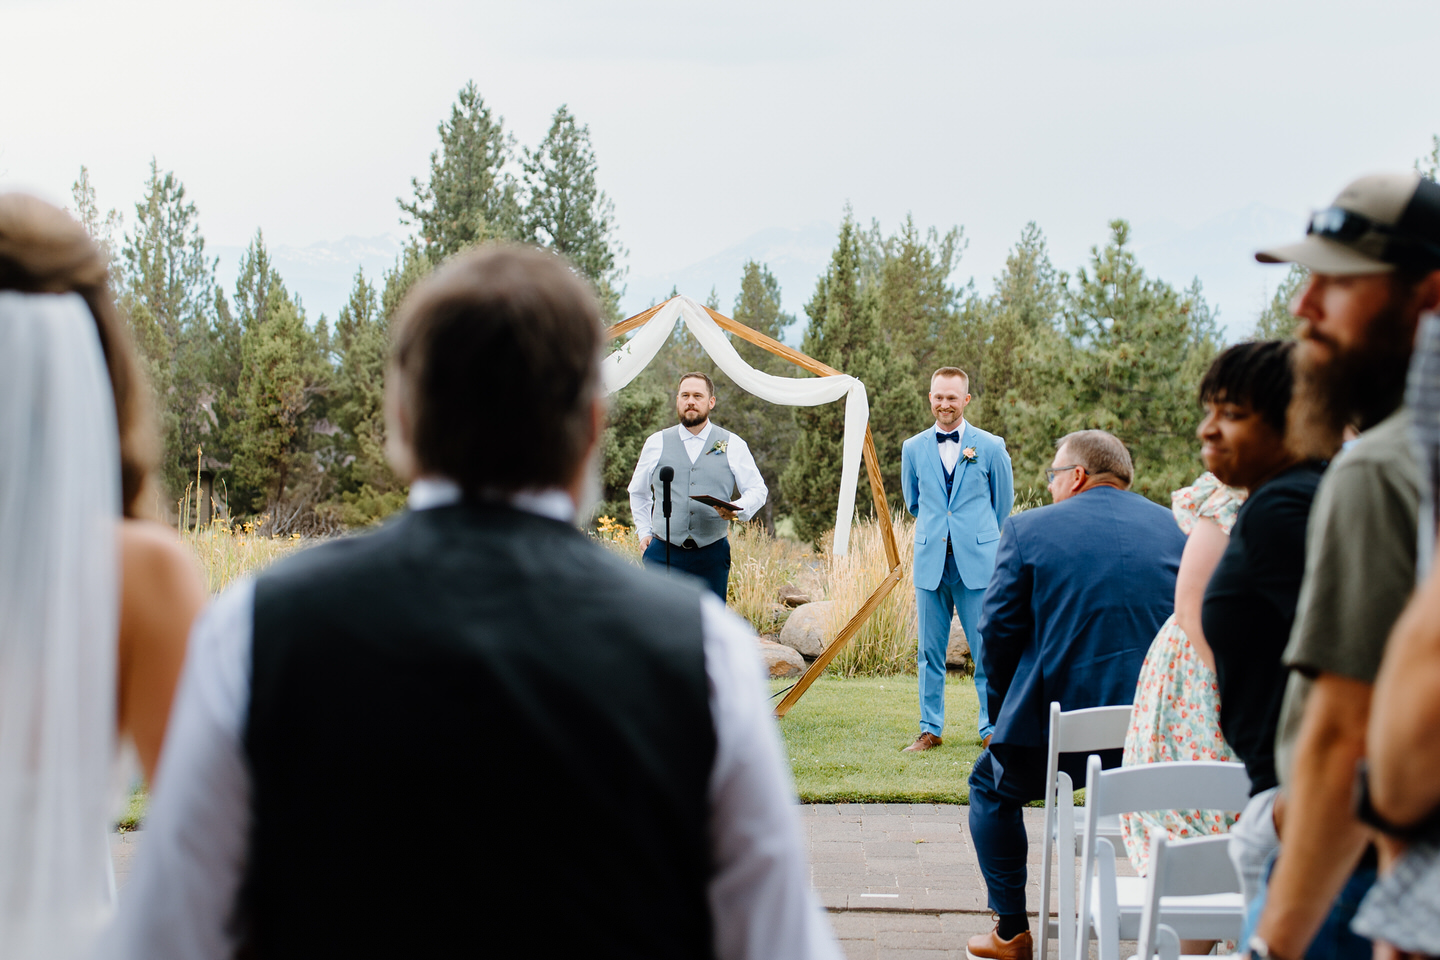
[(642, 499), (761, 900), (747, 477), (180, 900)]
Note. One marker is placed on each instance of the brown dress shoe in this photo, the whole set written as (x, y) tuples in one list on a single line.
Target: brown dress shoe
[(923, 742), (989, 946), (985, 744)]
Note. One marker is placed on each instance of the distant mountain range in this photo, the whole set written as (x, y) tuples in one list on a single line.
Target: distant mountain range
[(1218, 251), (796, 257), (322, 273)]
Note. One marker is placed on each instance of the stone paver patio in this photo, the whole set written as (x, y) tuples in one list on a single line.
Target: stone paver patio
[(900, 879)]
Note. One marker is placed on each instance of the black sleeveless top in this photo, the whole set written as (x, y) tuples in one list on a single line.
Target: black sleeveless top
[(470, 727), (1249, 608)]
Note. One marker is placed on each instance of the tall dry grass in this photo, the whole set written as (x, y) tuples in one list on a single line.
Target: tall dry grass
[(225, 554), (759, 565), (886, 643)]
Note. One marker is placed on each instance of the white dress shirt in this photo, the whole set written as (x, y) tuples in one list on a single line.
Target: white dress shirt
[(950, 452), (737, 453), (181, 896)]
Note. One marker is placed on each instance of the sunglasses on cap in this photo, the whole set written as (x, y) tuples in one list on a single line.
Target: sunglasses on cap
[(1351, 229)]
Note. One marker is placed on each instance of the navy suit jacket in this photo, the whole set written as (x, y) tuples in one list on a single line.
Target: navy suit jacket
[(1081, 587)]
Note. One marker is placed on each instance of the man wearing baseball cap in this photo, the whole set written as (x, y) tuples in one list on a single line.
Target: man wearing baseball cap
[(1374, 262)]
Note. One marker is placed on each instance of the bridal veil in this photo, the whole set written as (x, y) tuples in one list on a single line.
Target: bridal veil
[(59, 612)]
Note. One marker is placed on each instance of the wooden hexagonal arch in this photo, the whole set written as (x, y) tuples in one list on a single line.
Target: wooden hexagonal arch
[(872, 469)]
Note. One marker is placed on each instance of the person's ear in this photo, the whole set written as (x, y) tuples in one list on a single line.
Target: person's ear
[(712, 403)]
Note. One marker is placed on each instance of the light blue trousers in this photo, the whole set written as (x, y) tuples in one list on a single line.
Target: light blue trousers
[(935, 609)]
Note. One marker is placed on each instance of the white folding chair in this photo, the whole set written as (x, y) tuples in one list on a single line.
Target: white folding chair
[(1075, 731), (1111, 906), (1181, 868)]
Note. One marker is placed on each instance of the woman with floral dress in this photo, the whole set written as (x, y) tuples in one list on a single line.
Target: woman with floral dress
[(1176, 715)]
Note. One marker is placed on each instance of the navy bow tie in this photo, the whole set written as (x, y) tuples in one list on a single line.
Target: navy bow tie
[(953, 436)]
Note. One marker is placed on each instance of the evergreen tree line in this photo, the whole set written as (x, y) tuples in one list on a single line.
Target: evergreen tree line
[(286, 414), (283, 415), (1047, 353)]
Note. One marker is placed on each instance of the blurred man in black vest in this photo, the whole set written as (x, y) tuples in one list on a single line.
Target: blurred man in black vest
[(475, 722)]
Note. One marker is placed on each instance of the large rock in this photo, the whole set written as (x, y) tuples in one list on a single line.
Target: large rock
[(780, 660), (775, 615), (810, 579), (957, 653), (808, 628)]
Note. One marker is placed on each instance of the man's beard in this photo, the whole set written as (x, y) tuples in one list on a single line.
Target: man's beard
[(1357, 387), (693, 419)]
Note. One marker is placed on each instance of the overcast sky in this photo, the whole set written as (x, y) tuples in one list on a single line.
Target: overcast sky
[(713, 122)]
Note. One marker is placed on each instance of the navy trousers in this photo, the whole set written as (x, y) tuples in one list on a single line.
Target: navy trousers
[(710, 563), (997, 828)]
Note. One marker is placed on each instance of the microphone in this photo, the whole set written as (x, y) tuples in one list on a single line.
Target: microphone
[(667, 474)]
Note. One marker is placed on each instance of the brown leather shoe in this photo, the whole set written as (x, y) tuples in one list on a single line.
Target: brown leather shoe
[(923, 742), (985, 744), (989, 946)]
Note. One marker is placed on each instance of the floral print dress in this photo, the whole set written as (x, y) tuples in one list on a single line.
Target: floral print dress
[(1176, 715)]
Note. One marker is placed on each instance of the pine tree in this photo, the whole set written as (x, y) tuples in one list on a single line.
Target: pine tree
[(568, 212), (1138, 350), (768, 430), (1428, 166), (1276, 322), (282, 373), (411, 266), (368, 487), (1019, 333), (102, 229), (470, 196), (842, 332), (168, 293), (917, 303)]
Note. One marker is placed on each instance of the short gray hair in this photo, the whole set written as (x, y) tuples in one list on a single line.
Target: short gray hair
[(1099, 452)]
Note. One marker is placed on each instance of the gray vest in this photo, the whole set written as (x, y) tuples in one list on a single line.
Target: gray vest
[(709, 474)]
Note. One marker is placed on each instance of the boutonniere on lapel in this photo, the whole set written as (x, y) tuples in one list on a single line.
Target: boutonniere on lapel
[(968, 454), (720, 447)]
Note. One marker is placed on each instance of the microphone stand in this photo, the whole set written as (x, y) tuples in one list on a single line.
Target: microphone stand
[(667, 474)]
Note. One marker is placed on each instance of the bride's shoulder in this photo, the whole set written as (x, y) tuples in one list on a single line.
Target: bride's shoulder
[(157, 572), (151, 547)]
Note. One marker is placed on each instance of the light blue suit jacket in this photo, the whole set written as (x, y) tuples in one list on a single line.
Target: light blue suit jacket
[(979, 502)]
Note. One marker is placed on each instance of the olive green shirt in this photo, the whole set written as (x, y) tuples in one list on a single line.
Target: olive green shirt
[(1359, 568)]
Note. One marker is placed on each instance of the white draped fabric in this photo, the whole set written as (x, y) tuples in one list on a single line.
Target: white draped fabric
[(59, 617), (622, 366)]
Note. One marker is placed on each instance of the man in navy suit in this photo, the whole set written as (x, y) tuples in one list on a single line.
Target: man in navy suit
[(958, 486), (1081, 587)]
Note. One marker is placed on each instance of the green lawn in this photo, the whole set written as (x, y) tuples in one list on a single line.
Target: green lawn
[(844, 739)]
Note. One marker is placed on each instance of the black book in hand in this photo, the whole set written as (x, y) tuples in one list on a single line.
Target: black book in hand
[(708, 500)]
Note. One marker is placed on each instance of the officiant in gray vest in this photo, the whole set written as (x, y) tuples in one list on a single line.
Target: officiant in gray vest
[(706, 460)]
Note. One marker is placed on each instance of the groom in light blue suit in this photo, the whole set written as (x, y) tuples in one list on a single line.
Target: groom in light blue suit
[(958, 486)]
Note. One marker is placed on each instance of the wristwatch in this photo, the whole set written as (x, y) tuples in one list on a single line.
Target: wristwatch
[(1366, 813)]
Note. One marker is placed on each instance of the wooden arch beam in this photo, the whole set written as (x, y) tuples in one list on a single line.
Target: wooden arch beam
[(872, 470)]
